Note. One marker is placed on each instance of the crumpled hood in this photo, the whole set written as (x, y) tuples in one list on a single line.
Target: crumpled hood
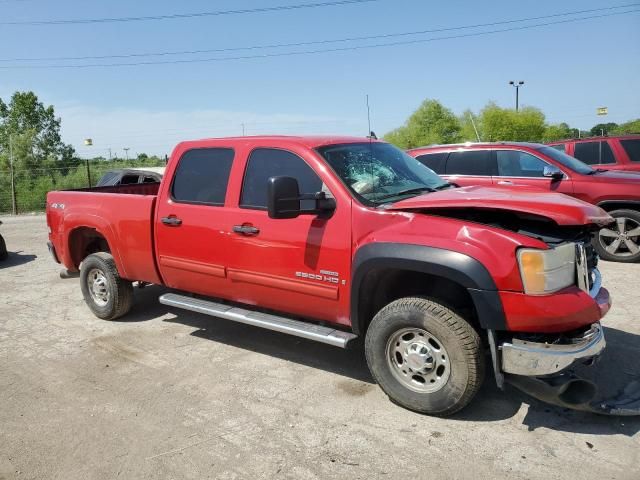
[(562, 209)]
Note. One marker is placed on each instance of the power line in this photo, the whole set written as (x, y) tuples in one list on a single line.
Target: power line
[(312, 52), (175, 16), (317, 42)]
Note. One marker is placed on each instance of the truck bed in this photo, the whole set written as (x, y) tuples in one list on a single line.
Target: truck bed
[(122, 214)]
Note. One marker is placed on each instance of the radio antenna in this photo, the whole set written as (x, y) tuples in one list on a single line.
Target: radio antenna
[(368, 116)]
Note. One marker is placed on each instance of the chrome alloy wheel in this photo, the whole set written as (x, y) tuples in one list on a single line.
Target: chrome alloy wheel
[(418, 360), (623, 240), (98, 288)]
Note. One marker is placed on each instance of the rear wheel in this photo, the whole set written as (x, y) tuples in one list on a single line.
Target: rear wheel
[(424, 356), (620, 242), (107, 295)]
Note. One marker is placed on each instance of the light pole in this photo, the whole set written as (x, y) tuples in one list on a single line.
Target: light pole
[(517, 85)]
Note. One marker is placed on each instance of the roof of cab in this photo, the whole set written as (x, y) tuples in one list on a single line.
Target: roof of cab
[(309, 141)]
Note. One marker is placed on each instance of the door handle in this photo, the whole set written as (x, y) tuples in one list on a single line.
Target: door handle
[(171, 221), (505, 182), (247, 230)]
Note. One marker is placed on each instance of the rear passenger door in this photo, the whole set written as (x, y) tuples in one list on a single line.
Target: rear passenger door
[(192, 241), (471, 167)]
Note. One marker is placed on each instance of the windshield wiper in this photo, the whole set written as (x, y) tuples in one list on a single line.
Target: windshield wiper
[(409, 191), (446, 185)]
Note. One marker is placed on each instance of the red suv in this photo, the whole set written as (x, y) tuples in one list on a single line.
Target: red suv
[(613, 153), (545, 167)]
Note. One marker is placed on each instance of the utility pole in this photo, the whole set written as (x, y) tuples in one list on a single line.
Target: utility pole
[(13, 179), (517, 85), (474, 126), (109, 153)]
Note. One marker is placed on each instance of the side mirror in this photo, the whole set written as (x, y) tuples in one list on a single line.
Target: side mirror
[(552, 172), (283, 199)]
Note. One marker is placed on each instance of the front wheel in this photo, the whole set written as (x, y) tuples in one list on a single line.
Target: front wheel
[(620, 242), (424, 356), (107, 295)]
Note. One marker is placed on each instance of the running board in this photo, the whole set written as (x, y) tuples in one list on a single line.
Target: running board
[(310, 331)]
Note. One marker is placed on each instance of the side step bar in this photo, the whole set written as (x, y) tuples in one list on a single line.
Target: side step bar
[(310, 331)]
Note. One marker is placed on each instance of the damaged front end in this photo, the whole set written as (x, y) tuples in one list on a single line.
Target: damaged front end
[(543, 368)]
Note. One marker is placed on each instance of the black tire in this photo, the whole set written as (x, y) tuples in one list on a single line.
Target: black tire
[(623, 253), (459, 339), (3, 250), (116, 294)]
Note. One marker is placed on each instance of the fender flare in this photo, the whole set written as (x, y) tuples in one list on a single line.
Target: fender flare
[(455, 266)]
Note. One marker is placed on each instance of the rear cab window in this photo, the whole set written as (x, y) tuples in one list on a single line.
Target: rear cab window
[(632, 147), (471, 162), (594, 153), (202, 176)]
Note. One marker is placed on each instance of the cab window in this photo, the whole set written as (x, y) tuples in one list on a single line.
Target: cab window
[(594, 153), (202, 176), (264, 163)]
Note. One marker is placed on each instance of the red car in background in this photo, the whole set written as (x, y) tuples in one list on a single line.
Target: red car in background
[(613, 153), (545, 167)]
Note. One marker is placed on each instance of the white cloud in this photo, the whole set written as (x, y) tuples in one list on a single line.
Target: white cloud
[(156, 132)]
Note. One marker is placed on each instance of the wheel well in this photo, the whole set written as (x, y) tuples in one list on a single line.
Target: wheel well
[(83, 242), (621, 205), (382, 286)]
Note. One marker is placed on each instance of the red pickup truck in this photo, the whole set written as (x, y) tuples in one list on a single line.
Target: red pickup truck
[(613, 153), (335, 238)]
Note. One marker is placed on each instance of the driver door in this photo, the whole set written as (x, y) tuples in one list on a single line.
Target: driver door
[(300, 265)]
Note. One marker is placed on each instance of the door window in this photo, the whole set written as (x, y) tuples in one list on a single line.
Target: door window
[(632, 147), (435, 161), (594, 153), (471, 162), (202, 176), (265, 163), (513, 163), (129, 179)]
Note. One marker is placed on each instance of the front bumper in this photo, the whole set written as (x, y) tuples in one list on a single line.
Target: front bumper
[(521, 357)]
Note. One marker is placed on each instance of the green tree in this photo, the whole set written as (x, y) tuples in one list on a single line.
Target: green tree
[(504, 124), (602, 128), (560, 131), (430, 123), (632, 126), (34, 131)]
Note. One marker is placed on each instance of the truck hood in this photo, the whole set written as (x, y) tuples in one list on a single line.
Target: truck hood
[(561, 209)]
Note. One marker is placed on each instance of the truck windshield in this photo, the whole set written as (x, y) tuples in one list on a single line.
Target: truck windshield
[(379, 173), (567, 160)]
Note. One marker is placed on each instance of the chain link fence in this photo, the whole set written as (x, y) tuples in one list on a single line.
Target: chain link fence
[(25, 190)]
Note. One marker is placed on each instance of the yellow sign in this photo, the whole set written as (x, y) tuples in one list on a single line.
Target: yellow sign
[(88, 142), (602, 110)]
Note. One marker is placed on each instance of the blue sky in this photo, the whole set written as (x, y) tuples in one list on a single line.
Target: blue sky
[(569, 69)]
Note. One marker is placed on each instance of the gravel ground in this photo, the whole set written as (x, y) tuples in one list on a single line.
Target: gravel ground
[(170, 394)]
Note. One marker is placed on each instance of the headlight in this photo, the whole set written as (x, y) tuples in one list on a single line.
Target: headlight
[(547, 271)]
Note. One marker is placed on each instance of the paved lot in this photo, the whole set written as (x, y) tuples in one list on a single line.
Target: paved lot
[(170, 394)]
